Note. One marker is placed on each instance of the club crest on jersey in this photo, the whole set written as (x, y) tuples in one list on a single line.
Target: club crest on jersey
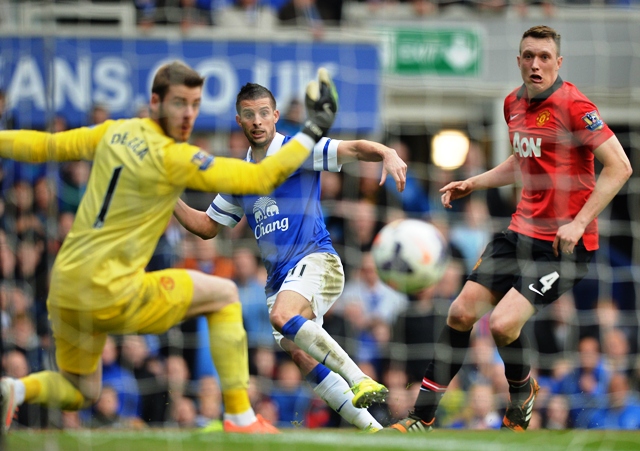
[(264, 210), (167, 283), (543, 118), (593, 121), (202, 159)]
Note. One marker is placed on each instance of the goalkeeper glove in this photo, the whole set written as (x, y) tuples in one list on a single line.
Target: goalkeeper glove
[(321, 101)]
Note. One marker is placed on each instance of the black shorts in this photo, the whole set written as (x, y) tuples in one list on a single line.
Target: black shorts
[(513, 260)]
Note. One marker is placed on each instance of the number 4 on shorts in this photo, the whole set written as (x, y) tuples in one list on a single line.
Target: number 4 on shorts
[(548, 281)]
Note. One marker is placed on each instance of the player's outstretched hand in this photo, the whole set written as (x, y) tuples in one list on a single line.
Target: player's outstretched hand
[(455, 190), (321, 100)]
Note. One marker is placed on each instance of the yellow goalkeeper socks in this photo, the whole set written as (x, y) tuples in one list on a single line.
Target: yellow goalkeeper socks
[(228, 343), (53, 390)]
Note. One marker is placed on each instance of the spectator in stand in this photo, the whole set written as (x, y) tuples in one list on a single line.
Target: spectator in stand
[(370, 190), (99, 113), (65, 221), (556, 333), (548, 7), (58, 124), (376, 299), (361, 226), (74, 176), (184, 413), (332, 205), (290, 395), (616, 355), (179, 381), (481, 412), (195, 13), (30, 268), (44, 205), (620, 410), (484, 365), (265, 366), (292, 119), (7, 256), (585, 383), (150, 378), (22, 337), (18, 303), (302, 13), (121, 380), (146, 11), (204, 256), (238, 144), (32, 273), (556, 413), (472, 232), (250, 278), (186, 13), (167, 252), (14, 363), (19, 198), (452, 279), (209, 403), (328, 12), (414, 200), (371, 344), (247, 14), (418, 326), (609, 316), (401, 395), (106, 412)]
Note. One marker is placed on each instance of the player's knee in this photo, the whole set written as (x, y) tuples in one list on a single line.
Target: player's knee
[(503, 331), (91, 394), (279, 318), (211, 294), (460, 318), (228, 292)]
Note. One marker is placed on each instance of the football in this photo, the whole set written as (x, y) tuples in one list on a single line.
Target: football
[(410, 255)]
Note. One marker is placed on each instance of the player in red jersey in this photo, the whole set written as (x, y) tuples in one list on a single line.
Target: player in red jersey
[(555, 132)]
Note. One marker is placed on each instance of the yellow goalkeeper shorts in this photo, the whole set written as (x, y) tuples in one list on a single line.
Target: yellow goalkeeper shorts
[(79, 336)]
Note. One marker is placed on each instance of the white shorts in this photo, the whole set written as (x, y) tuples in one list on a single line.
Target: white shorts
[(319, 278)]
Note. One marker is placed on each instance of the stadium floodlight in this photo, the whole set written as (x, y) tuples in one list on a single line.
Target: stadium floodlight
[(449, 149)]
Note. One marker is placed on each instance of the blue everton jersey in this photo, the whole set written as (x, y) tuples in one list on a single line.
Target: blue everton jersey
[(288, 223)]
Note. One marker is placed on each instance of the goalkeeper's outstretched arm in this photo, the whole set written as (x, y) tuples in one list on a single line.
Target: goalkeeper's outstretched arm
[(37, 147)]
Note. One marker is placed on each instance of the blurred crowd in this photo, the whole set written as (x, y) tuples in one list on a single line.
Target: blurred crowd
[(586, 353), (315, 15)]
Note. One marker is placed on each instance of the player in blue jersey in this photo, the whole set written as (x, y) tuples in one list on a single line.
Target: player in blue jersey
[(305, 274)]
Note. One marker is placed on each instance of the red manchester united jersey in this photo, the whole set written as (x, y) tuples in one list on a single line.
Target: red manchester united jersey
[(553, 137)]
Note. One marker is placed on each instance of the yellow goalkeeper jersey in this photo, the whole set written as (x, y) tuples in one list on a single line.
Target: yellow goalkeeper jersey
[(138, 173)]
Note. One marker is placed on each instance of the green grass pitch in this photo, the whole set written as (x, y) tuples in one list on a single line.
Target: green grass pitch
[(320, 440)]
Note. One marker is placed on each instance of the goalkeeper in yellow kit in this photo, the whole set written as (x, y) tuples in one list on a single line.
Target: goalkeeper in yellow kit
[(98, 283)]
